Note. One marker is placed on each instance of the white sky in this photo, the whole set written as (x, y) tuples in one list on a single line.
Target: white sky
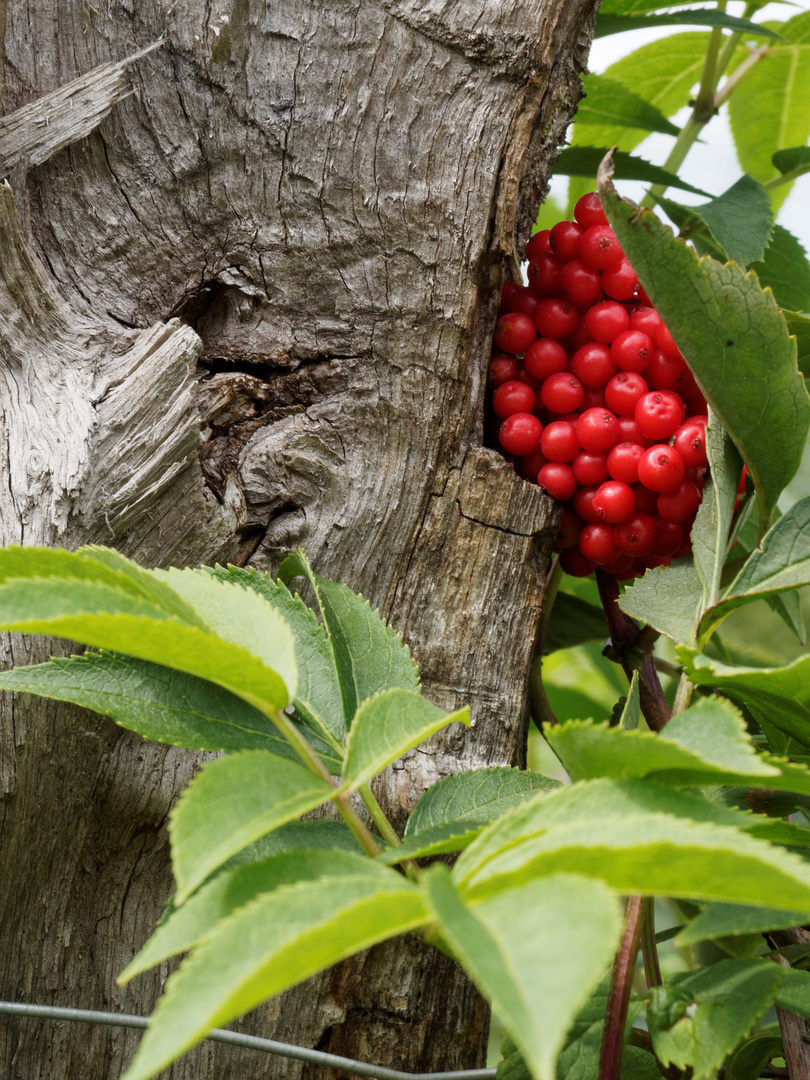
[(716, 157)]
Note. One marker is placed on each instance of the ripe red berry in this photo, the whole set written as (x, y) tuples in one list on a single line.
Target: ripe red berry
[(501, 369), (543, 273), (619, 282), (562, 392), (524, 300), (512, 397), (606, 320), (508, 290), (645, 319), (665, 341), (659, 414), (593, 397), (558, 480), (661, 468), (631, 350), (580, 282), (599, 248), (637, 535), (681, 504), (622, 462), (583, 503), (539, 244), (623, 391), (614, 502), (670, 538), (559, 441), (596, 543), (665, 372), (629, 431), (571, 527), (593, 364), (590, 467), (564, 239), (520, 434), (575, 564), (544, 357), (530, 465), (597, 429), (514, 333), (690, 442), (555, 318), (588, 211)]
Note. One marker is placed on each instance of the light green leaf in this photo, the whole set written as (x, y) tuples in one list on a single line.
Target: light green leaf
[(158, 702), (740, 220), (781, 562), (318, 699), (387, 725), (631, 713), (794, 991), (770, 109), (368, 655), (735, 920), (232, 802), (781, 695), (636, 7), (735, 341), (729, 996), (786, 271), (582, 160), (186, 926), (609, 101), (453, 811), (714, 517), (748, 1061), (616, 24), (637, 837), (536, 952), (668, 598), (580, 681), (275, 941)]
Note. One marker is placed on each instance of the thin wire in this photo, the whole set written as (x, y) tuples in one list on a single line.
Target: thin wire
[(252, 1042)]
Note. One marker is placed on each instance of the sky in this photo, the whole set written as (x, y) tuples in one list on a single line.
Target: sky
[(716, 158)]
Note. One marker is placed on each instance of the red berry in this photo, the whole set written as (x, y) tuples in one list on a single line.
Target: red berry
[(659, 414), (543, 273), (606, 320), (580, 282), (619, 282), (636, 536), (670, 538), (555, 318), (614, 501), (590, 467), (539, 244), (575, 564), (508, 290), (629, 431), (544, 357), (514, 333), (530, 465), (588, 211), (564, 239), (593, 397), (620, 566), (520, 434), (559, 441), (599, 248), (597, 429), (596, 543), (623, 391), (501, 369), (665, 372), (646, 500), (524, 300), (680, 504), (583, 503), (571, 527), (558, 480), (593, 364), (622, 462), (645, 319), (631, 350), (562, 393), (690, 442), (665, 341), (661, 468), (512, 397)]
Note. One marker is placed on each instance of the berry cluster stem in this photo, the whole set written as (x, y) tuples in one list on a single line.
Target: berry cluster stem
[(610, 1057)]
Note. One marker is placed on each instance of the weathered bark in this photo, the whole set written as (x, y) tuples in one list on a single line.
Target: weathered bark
[(311, 206)]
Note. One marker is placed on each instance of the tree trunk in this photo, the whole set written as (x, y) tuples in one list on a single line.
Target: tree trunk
[(244, 308)]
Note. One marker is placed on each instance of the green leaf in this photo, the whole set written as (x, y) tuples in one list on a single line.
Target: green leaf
[(770, 110), (735, 920), (668, 598), (729, 996), (740, 220), (107, 618), (232, 802), (575, 621), (794, 991), (160, 703), (781, 695), (186, 926), (749, 1060), (631, 712), (794, 159), (453, 811), (786, 271), (585, 160), (616, 24), (536, 952), (799, 324), (781, 562), (387, 725), (609, 101), (368, 655), (318, 699), (275, 941), (637, 837), (734, 338), (580, 681), (714, 517)]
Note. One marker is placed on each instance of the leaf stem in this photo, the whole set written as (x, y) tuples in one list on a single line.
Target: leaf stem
[(610, 1056), (649, 950), (378, 816), (683, 695), (361, 834)]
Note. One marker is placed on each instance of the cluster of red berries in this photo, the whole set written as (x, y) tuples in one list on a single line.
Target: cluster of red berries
[(595, 402)]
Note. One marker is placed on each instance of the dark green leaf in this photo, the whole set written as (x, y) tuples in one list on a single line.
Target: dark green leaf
[(794, 159), (585, 161), (799, 324), (711, 528), (748, 1061), (734, 339), (740, 220), (609, 101), (574, 622), (732, 920), (668, 598), (786, 271), (794, 991), (616, 24)]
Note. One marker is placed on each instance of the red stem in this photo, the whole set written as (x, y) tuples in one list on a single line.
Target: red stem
[(610, 1057)]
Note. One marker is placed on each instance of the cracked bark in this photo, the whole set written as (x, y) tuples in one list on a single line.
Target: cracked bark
[(246, 298)]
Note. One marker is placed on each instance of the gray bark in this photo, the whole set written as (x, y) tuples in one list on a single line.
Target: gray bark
[(246, 307)]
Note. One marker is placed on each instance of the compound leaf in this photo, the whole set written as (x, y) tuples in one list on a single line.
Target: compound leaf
[(609, 101), (735, 920), (668, 598), (607, 23), (786, 271), (582, 160)]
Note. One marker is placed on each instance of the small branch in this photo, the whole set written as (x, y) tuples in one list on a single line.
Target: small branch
[(683, 695), (378, 816), (704, 108), (739, 74), (795, 1041), (610, 1057), (649, 950)]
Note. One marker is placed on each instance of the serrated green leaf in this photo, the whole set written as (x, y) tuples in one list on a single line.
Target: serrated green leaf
[(799, 325), (735, 340), (793, 159), (786, 271), (724, 1002), (781, 695), (160, 703), (788, 606), (711, 528), (386, 726), (748, 1061), (369, 655), (536, 952), (770, 110), (454, 810), (227, 892), (631, 711), (668, 598), (146, 582), (318, 699), (275, 941), (609, 101), (635, 837), (607, 23), (582, 160), (734, 920), (781, 562), (740, 220), (794, 991), (232, 802)]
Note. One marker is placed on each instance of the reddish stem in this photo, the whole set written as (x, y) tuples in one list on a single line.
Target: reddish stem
[(610, 1057)]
